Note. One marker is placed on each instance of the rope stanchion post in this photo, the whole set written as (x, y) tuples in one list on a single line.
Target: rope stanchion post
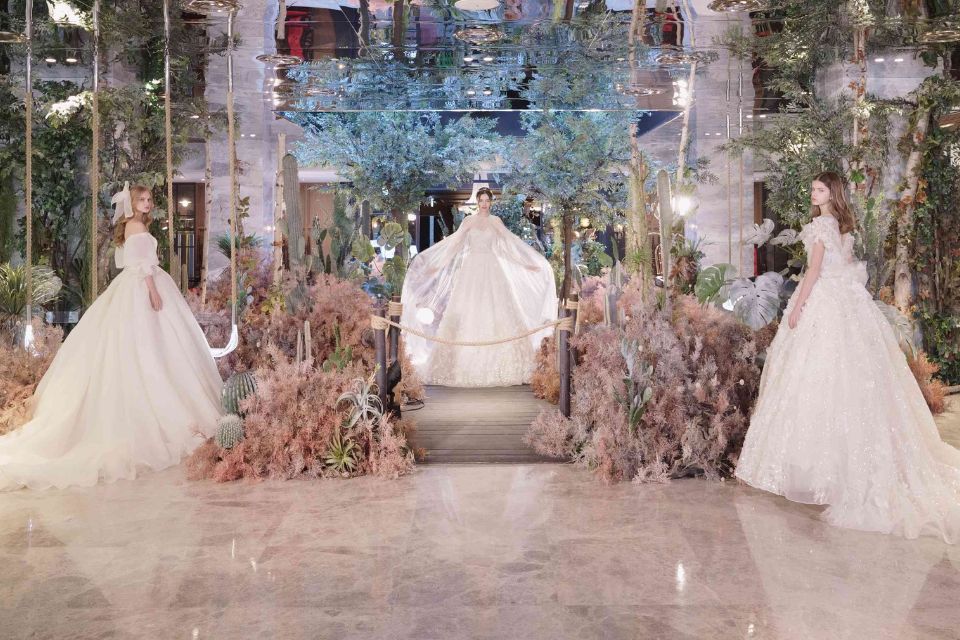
[(380, 346), (564, 353), (395, 310)]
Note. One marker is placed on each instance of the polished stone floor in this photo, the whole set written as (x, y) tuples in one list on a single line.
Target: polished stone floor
[(510, 551)]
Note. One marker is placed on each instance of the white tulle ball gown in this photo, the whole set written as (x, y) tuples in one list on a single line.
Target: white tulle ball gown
[(841, 421), (480, 284), (130, 388)]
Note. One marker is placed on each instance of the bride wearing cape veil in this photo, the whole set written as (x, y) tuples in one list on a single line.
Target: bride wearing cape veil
[(481, 283)]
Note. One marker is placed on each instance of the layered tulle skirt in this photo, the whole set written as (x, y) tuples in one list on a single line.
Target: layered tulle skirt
[(482, 307), (130, 388), (841, 421)]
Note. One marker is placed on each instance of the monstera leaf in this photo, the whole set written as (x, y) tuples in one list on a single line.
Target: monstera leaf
[(394, 271), (757, 303), (392, 235), (759, 233), (712, 281), (362, 250)]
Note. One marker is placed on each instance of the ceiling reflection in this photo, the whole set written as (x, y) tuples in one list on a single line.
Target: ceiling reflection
[(437, 55)]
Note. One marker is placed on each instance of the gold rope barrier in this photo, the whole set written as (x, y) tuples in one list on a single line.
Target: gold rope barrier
[(382, 324), (394, 308)]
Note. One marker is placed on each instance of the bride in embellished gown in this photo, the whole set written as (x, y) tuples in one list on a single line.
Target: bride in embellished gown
[(480, 284), (133, 386), (840, 420)]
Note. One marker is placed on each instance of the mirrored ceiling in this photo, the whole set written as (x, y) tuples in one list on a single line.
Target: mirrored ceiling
[(477, 55)]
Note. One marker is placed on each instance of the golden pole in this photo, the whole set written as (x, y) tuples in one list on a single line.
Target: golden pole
[(28, 177), (729, 175), (95, 155), (740, 175), (232, 158), (168, 135)]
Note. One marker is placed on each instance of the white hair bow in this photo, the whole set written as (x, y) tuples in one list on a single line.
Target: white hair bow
[(123, 202)]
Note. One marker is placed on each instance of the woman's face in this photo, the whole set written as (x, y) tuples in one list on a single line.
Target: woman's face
[(819, 193), (143, 203), (483, 203)]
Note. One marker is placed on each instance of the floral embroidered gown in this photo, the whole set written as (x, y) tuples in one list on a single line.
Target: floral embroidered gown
[(841, 421)]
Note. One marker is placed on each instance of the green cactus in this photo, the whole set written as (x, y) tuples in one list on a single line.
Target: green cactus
[(236, 388), (296, 243), (342, 354), (229, 431)]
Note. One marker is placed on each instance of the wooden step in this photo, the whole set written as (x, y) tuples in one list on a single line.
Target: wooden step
[(484, 425)]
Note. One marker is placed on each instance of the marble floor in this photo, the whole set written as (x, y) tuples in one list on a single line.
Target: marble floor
[(508, 551)]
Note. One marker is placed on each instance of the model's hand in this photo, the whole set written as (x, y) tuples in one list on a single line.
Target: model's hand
[(531, 268), (155, 300), (794, 318)]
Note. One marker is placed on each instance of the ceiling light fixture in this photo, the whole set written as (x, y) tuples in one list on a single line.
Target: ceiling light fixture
[(206, 7), (476, 5), (672, 56), (732, 6), (478, 35), (641, 92), (280, 59)]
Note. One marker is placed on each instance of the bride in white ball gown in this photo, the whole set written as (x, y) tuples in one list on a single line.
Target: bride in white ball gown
[(480, 284), (133, 386), (840, 420)]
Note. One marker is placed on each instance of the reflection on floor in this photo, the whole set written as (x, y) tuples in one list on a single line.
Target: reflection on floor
[(509, 551)]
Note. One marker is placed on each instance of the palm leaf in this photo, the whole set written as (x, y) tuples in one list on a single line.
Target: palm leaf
[(13, 287), (712, 281)]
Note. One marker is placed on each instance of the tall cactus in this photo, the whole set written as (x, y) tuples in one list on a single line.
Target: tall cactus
[(666, 228), (296, 242)]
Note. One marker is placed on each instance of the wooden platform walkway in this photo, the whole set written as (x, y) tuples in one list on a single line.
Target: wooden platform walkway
[(477, 425)]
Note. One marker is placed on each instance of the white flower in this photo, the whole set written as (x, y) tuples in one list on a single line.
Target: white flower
[(60, 112)]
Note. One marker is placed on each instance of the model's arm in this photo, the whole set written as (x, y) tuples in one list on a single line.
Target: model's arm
[(135, 227), (809, 280)]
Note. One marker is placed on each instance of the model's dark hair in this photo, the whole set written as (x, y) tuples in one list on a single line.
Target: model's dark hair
[(484, 190)]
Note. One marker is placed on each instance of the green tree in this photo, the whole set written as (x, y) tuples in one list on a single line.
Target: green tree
[(393, 158)]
